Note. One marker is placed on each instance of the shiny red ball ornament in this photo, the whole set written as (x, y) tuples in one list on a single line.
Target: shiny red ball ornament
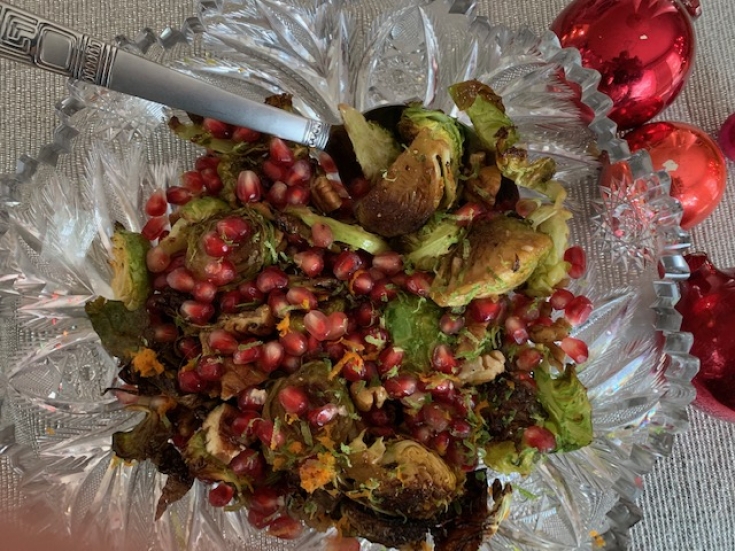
[(693, 160), (707, 307), (644, 50), (726, 137)]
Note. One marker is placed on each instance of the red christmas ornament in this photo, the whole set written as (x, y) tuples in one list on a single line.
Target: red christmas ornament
[(707, 307), (726, 137), (692, 159), (644, 50)]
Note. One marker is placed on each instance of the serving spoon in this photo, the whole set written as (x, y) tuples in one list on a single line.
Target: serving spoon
[(44, 44)]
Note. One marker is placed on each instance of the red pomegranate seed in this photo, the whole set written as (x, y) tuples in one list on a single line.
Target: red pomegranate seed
[(210, 368), (243, 425), (578, 310), (268, 435), (153, 228), (206, 161), (379, 417), (440, 442), (286, 528), (229, 302), (251, 399), (222, 342), (249, 463), (214, 245), (220, 272), (528, 359), (366, 314), (275, 172), (346, 264), (310, 261), (540, 438), (560, 298), (435, 416), (295, 343), (221, 495), (484, 310), (298, 195), (242, 134), (323, 415), (293, 399), (389, 358), (359, 187), (197, 313), (178, 195), (361, 283), (234, 228), (291, 364), (246, 353), (575, 348), (459, 428), (376, 339), (278, 303), (577, 259), (516, 329), (204, 291), (443, 389), (166, 332), (400, 386), (250, 292), (248, 188), (321, 235), (336, 325), (189, 347), (354, 371), (193, 181), (157, 260), (451, 324), (389, 263), (469, 212), (156, 205), (178, 261), (383, 291), (181, 279), (271, 278), (271, 356), (280, 152), (159, 282), (302, 298), (190, 382), (442, 359), (217, 128), (299, 174), (266, 500), (419, 283), (335, 350), (317, 324), (278, 195)]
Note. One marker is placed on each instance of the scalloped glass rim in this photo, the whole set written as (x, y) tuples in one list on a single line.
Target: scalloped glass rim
[(677, 366)]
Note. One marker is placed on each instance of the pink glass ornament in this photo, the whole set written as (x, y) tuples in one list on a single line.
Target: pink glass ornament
[(644, 50), (708, 310)]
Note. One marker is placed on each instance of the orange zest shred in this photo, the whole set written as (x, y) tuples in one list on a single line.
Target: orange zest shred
[(284, 325), (347, 357), (145, 362), (317, 472)]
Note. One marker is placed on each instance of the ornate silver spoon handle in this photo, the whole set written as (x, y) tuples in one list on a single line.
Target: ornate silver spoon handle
[(33, 40)]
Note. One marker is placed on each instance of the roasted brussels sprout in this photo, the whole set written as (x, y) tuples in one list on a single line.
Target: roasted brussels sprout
[(130, 279)]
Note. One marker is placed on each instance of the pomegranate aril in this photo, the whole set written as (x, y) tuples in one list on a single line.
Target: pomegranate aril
[(451, 324), (442, 389), (400, 386), (295, 343), (157, 260), (575, 348), (251, 399), (578, 310), (193, 181), (197, 313), (435, 416), (206, 161), (217, 128), (293, 399), (153, 228), (181, 279), (221, 495), (156, 205), (359, 187), (280, 152), (178, 195), (249, 463), (577, 259), (266, 500), (354, 371), (243, 134), (285, 528), (383, 291), (361, 283), (222, 342), (310, 261), (278, 303), (323, 415), (560, 298), (159, 282), (469, 212), (516, 329), (540, 438), (484, 310), (248, 188), (419, 283), (271, 355), (189, 347), (442, 359), (190, 382), (376, 339), (440, 442), (459, 428), (214, 245), (234, 228), (166, 332), (220, 272), (268, 435), (298, 195), (317, 324), (250, 292), (302, 297), (299, 173), (346, 264), (390, 263), (229, 302), (327, 163), (210, 368), (246, 355), (275, 172), (389, 358), (528, 359), (204, 291), (321, 235), (366, 314), (259, 520), (337, 323)]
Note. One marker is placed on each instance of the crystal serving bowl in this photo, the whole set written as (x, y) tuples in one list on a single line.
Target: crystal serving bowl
[(111, 151)]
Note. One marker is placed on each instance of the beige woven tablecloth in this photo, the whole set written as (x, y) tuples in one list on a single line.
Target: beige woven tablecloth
[(688, 499)]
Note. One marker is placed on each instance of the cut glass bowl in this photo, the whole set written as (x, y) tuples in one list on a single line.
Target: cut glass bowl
[(110, 151)]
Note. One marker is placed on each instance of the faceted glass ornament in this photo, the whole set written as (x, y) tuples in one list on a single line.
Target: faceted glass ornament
[(111, 151)]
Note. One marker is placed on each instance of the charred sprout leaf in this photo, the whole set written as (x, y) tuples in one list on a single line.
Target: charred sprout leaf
[(375, 147), (505, 458), (536, 175), (423, 249), (486, 111), (565, 400), (130, 280), (349, 234), (498, 255), (400, 478), (552, 269), (119, 328), (195, 133), (413, 323), (202, 208), (360, 521)]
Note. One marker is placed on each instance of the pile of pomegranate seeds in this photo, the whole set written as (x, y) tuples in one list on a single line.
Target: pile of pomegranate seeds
[(229, 336)]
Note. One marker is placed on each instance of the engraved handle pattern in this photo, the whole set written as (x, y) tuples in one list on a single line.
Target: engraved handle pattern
[(36, 41)]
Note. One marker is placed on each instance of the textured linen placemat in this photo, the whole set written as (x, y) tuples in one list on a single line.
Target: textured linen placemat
[(687, 499)]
